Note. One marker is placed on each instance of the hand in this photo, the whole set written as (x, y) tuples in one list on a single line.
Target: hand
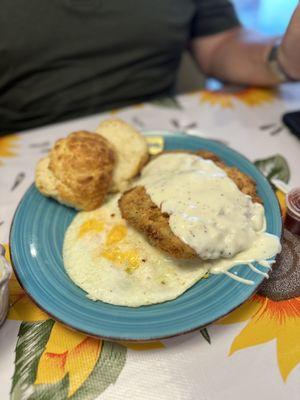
[(289, 51)]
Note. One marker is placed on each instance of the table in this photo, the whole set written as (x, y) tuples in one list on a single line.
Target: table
[(252, 353)]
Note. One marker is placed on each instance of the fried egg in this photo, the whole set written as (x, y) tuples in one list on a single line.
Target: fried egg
[(114, 263)]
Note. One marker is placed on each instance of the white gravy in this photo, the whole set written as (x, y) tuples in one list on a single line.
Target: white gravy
[(208, 212)]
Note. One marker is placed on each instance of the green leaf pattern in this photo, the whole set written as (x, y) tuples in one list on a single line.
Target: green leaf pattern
[(168, 102), (55, 391), (274, 167), (205, 334), (107, 369), (32, 340)]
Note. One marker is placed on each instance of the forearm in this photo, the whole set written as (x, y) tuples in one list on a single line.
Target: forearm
[(237, 56)]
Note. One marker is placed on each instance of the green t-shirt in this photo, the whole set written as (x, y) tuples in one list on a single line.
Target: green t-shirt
[(62, 59)]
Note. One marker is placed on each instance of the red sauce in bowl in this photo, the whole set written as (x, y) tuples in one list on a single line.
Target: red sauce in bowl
[(292, 221)]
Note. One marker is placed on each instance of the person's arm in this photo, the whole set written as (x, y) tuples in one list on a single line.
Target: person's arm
[(241, 56)]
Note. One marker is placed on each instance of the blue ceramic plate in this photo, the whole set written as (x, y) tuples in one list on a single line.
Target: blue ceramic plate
[(36, 242)]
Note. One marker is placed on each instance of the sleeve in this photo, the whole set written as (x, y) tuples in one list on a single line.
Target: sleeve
[(213, 16)]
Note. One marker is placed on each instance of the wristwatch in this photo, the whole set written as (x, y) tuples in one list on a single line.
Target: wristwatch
[(276, 67)]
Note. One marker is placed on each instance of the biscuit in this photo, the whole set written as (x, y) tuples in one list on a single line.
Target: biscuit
[(131, 151), (78, 171)]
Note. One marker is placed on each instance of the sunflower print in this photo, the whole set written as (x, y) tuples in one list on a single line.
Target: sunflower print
[(69, 361), (269, 320), (9, 145), (274, 313), (249, 96)]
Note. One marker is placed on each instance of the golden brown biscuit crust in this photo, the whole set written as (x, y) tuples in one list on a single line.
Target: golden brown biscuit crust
[(82, 166)]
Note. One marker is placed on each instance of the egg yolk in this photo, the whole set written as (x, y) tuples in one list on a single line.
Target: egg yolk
[(91, 225), (116, 234), (129, 258)]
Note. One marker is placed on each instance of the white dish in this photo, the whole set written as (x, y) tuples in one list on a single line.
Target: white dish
[(5, 274)]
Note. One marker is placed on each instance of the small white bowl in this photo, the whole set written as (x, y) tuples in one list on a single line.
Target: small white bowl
[(5, 274)]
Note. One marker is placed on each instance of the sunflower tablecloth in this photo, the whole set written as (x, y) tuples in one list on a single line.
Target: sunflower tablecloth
[(254, 353)]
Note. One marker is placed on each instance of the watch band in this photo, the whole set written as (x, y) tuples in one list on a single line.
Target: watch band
[(276, 67)]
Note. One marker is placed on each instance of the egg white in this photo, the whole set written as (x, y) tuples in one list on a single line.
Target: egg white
[(148, 277)]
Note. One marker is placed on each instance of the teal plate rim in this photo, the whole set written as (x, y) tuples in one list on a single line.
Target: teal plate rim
[(140, 325)]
